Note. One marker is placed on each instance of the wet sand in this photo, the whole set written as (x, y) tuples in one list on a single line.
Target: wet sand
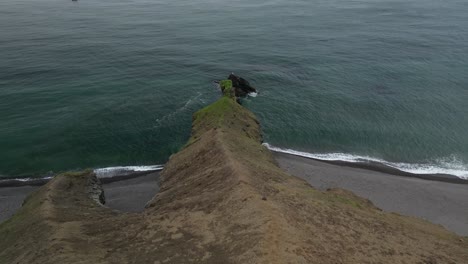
[(437, 201), (129, 194)]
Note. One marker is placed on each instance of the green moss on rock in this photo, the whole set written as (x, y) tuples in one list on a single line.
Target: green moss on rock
[(214, 114), (226, 88)]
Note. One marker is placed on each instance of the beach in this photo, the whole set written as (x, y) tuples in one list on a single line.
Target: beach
[(11, 199), (128, 194), (436, 201), (131, 195)]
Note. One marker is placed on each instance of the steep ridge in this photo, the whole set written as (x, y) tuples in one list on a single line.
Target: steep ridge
[(222, 199)]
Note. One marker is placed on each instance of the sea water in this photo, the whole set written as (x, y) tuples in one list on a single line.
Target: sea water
[(98, 84)]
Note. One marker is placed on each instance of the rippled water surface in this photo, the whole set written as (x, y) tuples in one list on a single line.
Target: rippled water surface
[(114, 83)]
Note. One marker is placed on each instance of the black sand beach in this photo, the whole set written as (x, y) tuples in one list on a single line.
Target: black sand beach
[(11, 198), (129, 194), (439, 202)]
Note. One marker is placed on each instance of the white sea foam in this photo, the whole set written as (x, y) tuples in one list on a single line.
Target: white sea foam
[(112, 171), (108, 172), (29, 179), (14, 181), (173, 115), (450, 165), (253, 94)]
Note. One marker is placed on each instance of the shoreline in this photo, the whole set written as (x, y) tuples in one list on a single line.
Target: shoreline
[(436, 198), (380, 167), (21, 182), (120, 175), (127, 193)]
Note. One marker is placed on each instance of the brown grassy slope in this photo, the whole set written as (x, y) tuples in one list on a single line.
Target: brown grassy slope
[(222, 200), (51, 225)]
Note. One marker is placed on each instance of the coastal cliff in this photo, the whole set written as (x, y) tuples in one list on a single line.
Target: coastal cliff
[(222, 199)]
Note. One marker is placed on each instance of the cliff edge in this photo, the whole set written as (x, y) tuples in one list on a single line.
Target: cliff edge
[(223, 199)]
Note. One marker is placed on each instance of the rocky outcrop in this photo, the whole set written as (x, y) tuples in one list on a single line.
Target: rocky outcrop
[(241, 86), (222, 199), (95, 190)]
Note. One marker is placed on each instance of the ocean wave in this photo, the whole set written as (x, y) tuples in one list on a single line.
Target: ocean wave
[(450, 166), (198, 98), (31, 179), (102, 173), (14, 182), (125, 170)]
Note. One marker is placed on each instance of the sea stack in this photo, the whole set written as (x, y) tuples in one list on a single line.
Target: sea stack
[(241, 86)]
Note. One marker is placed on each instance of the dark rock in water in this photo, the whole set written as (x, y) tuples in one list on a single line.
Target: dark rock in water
[(242, 86)]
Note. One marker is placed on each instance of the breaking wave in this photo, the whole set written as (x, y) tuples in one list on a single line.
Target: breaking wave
[(102, 173), (450, 166), (125, 170)]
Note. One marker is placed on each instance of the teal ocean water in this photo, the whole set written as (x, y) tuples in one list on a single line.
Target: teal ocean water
[(93, 84)]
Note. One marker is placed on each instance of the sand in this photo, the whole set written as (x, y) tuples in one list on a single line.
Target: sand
[(11, 199), (129, 194), (439, 202)]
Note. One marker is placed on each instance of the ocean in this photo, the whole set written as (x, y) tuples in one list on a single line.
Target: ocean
[(99, 84)]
